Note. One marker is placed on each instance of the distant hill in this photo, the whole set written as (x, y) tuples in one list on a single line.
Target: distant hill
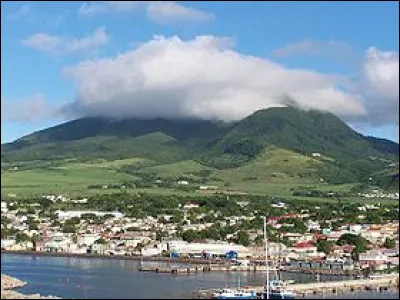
[(343, 155)]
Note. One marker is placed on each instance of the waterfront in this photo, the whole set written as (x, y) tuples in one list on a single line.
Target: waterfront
[(71, 277)]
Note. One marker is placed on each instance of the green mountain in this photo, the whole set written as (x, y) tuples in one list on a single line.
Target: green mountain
[(344, 155), (159, 139)]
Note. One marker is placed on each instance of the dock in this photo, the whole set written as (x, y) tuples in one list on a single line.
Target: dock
[(321, 271), (389, 282), (204, 268)]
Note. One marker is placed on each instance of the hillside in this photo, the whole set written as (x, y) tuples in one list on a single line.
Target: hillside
[(270, 146)]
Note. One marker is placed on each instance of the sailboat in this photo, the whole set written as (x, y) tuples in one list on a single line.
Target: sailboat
[(235, 293), (274, 289)]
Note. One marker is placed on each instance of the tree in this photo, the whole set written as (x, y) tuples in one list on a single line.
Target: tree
[(22, 237), (243, 238), (101, 241), (360, 243), (190, 235), (324, 246), (68, 228), (389, 243)]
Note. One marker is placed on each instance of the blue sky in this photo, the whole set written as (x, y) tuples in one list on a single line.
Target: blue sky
[(202, 59)]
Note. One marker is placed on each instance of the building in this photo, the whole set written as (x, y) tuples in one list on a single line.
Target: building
[(190, 205), (305, 250), (373, 259), (6, 244), (211, 249)]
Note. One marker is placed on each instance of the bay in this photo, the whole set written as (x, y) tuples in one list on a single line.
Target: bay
[(99, 278)]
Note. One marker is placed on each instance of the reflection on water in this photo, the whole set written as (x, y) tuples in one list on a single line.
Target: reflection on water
[(89, 278)]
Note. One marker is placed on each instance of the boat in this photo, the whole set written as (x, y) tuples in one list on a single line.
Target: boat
[(238, 293), (278, 290), (235, 294), (274, 289)]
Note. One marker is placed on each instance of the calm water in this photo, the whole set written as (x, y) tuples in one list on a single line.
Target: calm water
[(88, 278)]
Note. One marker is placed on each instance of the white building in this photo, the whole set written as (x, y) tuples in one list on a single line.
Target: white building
[(88, 239), (212, 248), (190, 205)]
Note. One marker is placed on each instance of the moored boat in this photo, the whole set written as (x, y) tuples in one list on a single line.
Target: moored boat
[(235, 294)]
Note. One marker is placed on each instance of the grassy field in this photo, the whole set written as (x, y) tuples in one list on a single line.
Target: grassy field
[(276, 172), (274, 166), (185, 167), (57, 180)]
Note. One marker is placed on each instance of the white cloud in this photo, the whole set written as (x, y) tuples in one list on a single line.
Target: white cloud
[(332, 49), (170, 77), (159, 11), (379, 84), (58, 45), (27, 14), (30, 109), (24, 12), (168, 11)]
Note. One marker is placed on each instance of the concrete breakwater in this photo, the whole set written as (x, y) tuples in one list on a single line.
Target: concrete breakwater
[(203, 268), (321, 271), (9, 283), (228, 268), (390, 282)]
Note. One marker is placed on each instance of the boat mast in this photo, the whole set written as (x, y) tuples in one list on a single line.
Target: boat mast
[(266, 256)]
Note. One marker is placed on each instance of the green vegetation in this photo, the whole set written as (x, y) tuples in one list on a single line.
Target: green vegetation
[(361, 244), (269, 152)]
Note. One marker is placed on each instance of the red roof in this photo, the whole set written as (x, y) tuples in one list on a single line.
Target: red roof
[(290, 215), (320, 236), (304, 245)]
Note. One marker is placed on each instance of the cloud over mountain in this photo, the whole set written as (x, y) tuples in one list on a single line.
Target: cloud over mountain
[(206, 78)]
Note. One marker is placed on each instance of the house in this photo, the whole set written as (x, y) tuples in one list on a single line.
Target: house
[(292, 237), (278, 205), (305, 250), (341, 251), (373, 259), (183, 182), (6, 244), (373, 236), (355, 228), (59, 243), (189, 205), (88, 239), (99, 248), (4, 208), (312, 225)]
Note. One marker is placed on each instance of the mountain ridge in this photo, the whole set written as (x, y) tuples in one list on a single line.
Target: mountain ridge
[(352, 156)]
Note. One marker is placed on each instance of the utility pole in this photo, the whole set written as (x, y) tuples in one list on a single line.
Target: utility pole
[(266, 255)]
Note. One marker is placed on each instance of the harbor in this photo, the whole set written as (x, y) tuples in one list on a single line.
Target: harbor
[(88, 278), (384, 283)]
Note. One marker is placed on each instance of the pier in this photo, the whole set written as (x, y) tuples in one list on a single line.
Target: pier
[(385, 283), (204, 268), (232, 268)]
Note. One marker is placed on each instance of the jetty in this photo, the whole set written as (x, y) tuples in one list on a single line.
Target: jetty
[(204, 268), (384, 283)]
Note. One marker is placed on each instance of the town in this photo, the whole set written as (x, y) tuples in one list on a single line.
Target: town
[(302, 235)]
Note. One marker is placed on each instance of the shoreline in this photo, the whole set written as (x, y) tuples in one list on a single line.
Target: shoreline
[(117, 257), (10, 284)]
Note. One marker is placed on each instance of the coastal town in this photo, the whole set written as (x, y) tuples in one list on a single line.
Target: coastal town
[(363, 240)]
